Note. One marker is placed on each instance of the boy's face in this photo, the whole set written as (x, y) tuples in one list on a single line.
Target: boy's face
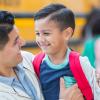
[(49, 36), (11, 53)]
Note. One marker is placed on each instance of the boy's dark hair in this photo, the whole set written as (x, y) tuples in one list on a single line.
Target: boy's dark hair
[(58, 13), (6, 26)]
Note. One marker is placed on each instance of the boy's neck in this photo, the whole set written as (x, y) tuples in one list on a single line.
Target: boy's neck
[(58, 58)]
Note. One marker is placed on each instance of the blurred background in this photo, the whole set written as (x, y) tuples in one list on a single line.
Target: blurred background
[(25, 9)]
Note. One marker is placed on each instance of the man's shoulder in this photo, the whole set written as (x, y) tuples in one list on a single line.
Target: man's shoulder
[(27, 60), (27, 55)]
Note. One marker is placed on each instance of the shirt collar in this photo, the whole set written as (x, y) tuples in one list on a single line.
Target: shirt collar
[(58, 66), (7, 80)]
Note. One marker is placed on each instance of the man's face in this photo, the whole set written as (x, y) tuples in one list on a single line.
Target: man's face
[(49, 36), (11, 54)]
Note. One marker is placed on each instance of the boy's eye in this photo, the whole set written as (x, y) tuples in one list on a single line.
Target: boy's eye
[(46, 33), (37, 33)]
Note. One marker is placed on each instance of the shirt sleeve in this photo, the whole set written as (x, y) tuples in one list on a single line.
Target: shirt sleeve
[(88, 70)]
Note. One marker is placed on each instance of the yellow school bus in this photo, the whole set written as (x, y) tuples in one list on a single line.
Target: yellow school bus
[(24, 10)]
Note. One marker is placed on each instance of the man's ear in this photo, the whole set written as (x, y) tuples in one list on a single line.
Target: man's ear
[(68, 33)]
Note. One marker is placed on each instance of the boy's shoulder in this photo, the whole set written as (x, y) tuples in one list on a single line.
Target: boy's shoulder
[(87, 68), (84, 61)]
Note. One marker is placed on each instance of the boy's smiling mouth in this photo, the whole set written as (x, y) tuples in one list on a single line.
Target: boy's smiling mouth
[(44, 46)]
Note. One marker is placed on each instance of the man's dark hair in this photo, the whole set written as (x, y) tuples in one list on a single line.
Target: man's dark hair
[(58, 13), (6, 26)]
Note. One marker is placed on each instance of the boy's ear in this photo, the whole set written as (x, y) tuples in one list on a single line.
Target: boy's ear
[(68, 33)]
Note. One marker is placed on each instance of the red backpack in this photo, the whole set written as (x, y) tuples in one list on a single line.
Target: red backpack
[(76, 70)]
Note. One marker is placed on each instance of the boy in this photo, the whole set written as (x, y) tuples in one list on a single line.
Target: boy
[(54, 26)]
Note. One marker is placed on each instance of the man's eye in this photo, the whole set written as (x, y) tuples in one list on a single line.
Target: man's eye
[(15, 42)]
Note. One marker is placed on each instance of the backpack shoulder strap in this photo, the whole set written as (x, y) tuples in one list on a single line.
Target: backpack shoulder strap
[(79, 75), (37, 61)]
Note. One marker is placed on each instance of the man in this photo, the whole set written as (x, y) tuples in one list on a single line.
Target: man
[(17, 78)]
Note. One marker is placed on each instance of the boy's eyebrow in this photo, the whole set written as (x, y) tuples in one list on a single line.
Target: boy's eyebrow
[(43, 30)]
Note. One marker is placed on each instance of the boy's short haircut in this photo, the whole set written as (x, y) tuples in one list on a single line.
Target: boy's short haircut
[(58, 13), (6, 26)]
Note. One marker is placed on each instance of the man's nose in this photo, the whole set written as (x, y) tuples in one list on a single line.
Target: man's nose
[(21, 42)]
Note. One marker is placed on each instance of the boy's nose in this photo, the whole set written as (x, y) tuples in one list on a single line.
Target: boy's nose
[(41, 38)]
